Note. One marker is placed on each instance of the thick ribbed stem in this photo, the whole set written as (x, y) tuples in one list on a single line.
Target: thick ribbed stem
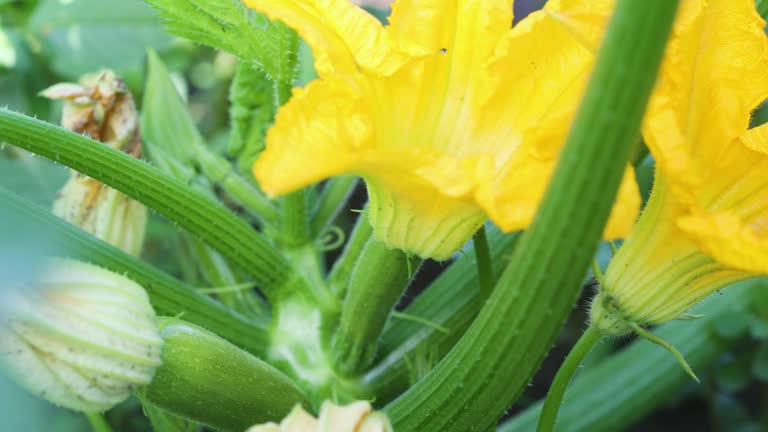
[(192, 210), (535, 294)]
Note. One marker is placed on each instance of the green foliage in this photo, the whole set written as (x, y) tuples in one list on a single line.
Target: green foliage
[(75, 33), (228, 25), (251, 112)]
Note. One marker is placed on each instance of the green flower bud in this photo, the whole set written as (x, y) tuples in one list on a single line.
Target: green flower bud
[(84, 338), (101, 107)]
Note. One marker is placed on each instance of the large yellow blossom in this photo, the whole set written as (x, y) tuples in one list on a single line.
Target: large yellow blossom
[(706, 224), (449, 114)]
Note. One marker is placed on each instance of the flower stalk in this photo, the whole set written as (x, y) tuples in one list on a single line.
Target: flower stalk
[(564, 375), (379, 279)]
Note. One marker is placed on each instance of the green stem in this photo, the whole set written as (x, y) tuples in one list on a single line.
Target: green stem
[(220, 171), (632, 383), (98, 423), (484, 263), (338, 280), (167, 295), (295, 220), (563, 378), (335, 194), (451, 302), (534, 296), (192, 210), (378, 280)]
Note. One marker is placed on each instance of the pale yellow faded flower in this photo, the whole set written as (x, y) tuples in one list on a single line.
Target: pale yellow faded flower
[(355, 417)]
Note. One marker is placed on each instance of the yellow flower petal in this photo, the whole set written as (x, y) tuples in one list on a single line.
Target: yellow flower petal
[(733, 227), (714, 74), (706, 224), (659, 271), (471, 124), (342, 35), (428, 26), (317, 134), (756, 139)]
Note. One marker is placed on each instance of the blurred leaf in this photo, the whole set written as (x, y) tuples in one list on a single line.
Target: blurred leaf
[(735, 373), (20, 83), (228, 25), (759, 328), (760, 363), (733, 324), (86, 35), (730, 413), (166, 125), (36, 178)]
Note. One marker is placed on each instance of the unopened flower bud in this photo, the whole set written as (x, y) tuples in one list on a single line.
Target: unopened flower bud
[(355, 417), (84, 338), (104, 212), (101, 107)]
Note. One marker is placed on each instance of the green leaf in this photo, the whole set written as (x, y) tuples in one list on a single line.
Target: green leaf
[(37, 179), (735, 373), (251, 111), (175, 144), (228, 25), (760, 363), (759, 328), (166, 125), (733, 325), (86, 35)]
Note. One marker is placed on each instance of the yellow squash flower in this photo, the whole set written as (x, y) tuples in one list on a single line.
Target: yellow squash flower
[(449, 114), (706, 223)]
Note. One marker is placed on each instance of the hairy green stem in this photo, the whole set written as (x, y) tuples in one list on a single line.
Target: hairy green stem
[(563, 378), (409, 348), (167, 295), (630, 384), (484, 262), (338, 280), (197, 213), (98, 422), (521, 319), (377, 282)]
